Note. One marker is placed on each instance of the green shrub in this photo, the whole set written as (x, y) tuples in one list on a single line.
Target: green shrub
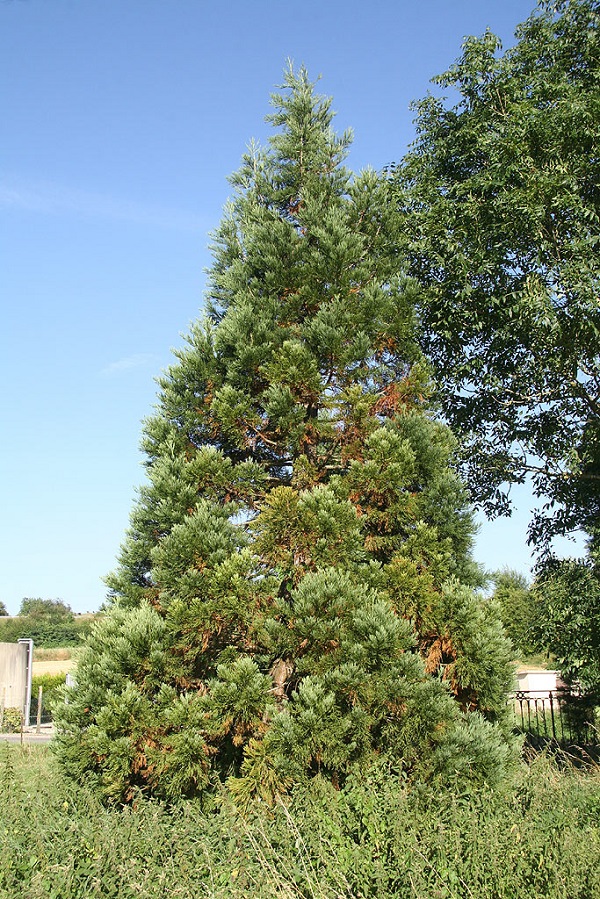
[(48, 622), (50, 684), (11, 721)]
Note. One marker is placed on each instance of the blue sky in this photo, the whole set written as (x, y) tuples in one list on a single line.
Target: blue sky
[(121, 122)]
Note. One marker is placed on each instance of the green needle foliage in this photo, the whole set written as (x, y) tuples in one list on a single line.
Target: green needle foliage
[(295, 594)]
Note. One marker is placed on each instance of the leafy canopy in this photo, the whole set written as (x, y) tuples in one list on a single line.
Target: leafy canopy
[(52, 609), (501, 199), (519, 610), (568, 601)]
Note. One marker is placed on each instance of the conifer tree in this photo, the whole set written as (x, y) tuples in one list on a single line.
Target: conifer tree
[(295, 593)]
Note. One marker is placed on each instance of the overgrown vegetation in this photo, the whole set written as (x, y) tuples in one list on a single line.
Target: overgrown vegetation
[(518, 610), (538, 837), (296, 642), (500, 201), (296, 596), (567, 594)]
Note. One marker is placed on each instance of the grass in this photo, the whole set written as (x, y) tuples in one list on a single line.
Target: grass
[(55, 654), (537, 839)]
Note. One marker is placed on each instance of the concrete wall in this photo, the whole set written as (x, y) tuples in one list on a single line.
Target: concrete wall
[(14, 675), (538, 683)]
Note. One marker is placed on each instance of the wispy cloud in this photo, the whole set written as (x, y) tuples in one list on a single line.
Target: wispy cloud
[(52, 198), (136, 360)]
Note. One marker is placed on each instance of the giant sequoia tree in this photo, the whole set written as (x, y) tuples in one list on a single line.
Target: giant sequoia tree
[(295, 593), (502, 196)]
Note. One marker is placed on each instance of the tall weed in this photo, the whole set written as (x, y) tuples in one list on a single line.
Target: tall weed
[(537, 837)]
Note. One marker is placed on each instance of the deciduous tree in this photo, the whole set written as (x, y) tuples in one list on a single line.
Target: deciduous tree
[(502, 197), (568, 599), (519, 610), (48, 622)]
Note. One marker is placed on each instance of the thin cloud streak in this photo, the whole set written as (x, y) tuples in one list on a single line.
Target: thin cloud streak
[(52, 198), (136, 360)]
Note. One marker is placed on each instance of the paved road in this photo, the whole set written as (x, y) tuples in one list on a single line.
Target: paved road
[(29, 736)]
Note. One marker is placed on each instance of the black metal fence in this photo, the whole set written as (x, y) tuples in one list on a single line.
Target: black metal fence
[(563, 718)]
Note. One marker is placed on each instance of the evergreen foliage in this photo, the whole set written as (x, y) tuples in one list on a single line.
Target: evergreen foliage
[(295, 595)]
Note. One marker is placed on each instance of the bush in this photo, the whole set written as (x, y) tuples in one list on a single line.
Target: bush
[(50, 684), (11, 721), (519, 610)]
